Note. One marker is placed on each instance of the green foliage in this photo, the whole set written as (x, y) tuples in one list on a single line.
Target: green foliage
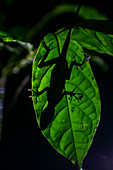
[(93, 40), (69, 122), (6, 38), (89, 12), (16, 47), (74, 119)]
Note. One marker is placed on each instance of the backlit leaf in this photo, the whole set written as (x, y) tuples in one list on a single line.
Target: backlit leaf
[(93, 40), (69, 126)]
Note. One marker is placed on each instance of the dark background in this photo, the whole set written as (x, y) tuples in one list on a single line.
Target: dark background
[(23, 147)]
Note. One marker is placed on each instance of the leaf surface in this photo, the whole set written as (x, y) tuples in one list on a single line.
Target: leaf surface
[(73, 121), (93, 40)]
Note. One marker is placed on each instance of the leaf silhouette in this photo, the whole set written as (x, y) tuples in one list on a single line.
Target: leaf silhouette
[(73, 118), (104, 26)]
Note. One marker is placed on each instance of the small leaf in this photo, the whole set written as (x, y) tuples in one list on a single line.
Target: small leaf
[(23, 54), (89, 12), (71, 124), (93, 40), (6, 38)]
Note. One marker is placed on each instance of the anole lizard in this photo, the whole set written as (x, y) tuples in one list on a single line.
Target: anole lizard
[(59, 74)]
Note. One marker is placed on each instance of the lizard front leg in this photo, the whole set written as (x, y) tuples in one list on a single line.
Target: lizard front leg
[(38, 93)]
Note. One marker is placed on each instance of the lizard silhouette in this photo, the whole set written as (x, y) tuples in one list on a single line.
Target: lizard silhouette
[(59, 74)]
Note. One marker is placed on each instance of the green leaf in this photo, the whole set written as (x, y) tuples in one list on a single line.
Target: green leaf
[(93, 40), (23, 54), (86, 12), (73, 121), (6, 38), (89, 12)]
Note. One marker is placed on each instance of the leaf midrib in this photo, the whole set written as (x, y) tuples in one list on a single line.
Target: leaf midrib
[(71, 125)]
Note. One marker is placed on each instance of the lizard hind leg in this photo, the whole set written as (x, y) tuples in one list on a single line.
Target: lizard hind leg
[(78, 96)]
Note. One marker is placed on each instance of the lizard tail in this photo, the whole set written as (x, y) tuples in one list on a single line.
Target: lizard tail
[(46, 117)]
